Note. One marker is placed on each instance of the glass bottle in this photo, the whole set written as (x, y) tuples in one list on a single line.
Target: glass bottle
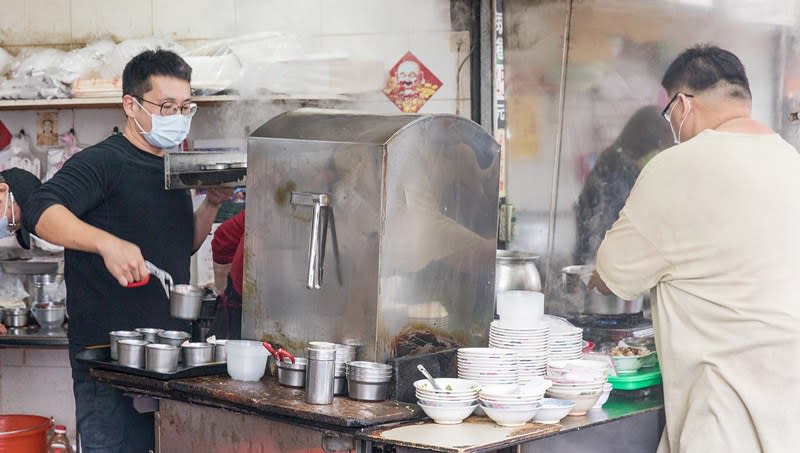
[(59, 443)]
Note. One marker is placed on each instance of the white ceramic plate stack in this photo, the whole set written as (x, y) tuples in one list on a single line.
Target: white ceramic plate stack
[(451, 405), (531, 346), (566, 340), (488, 365)]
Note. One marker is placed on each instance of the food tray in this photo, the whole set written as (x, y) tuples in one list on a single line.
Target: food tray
[(645, 377), (100, 357)]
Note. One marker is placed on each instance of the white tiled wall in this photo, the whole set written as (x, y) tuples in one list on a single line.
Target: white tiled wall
[(38, 381)]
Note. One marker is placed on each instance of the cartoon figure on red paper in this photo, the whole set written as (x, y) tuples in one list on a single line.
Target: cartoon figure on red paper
[(410, 84)]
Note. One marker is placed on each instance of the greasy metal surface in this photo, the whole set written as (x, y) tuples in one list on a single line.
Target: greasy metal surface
[(267, 397), (412, 234), (475, 434), (188, 427), (34, 336)]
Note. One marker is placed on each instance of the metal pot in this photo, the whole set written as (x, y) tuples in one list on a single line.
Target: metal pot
[(515, 270), (15, 317), (592, 301)]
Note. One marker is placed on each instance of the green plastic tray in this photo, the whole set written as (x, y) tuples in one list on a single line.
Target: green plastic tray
[(645, 377)]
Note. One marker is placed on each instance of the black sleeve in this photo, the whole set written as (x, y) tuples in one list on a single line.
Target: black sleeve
[(80, 185)]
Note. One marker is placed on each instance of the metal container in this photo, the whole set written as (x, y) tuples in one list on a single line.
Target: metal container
[(333, 198), (367, 391), (43, 286), (193, 354), (320, 373), (15, 317), (173, 337), (131, 352), (49, 315), (593, 302), (515, 270), (162, 358), (293, 374), (220, 354), (117, 335), (185, 301), (339, 385), (150, 334)]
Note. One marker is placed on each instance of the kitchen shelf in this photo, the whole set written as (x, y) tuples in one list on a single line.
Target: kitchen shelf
[(93, 103), (114, 102)]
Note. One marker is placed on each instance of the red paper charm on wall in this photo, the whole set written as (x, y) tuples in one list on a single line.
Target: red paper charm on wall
[(410, 84)]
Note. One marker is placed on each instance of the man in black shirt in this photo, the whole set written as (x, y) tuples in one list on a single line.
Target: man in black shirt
[(107, 206)]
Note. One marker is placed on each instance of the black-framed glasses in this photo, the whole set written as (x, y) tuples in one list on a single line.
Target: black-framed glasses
[(170, 108), (666, 113)]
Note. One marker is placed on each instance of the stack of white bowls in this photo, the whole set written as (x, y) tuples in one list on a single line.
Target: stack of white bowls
[(566, 340), (513, 405), (580, 381), (488, 365), (456, 400), (531, 346)]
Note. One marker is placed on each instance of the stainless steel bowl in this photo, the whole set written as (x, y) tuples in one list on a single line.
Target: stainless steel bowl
[(15, 317), (367, 391), (49, 315), (293, 374), (592, 301)]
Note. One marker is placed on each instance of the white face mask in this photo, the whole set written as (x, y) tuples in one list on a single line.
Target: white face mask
[(6, 228), (166, 131), (677, 137)]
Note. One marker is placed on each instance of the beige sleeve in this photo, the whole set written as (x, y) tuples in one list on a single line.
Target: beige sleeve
[(627, 261)]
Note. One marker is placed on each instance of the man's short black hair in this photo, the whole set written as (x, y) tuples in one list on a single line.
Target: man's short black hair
[(136, 75), (702, 67)]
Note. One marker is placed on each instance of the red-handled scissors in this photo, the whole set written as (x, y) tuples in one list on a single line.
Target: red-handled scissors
[(280, 354)]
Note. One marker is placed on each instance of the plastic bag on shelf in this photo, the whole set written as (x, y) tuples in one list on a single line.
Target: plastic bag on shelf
[(116, 60), (86, 61), (12, 291), (21, 155)]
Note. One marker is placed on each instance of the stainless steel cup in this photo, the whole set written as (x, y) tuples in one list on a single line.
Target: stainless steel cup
[(117, 335), (15, 317), (185, 301), (339, 385), (193, 354), (219, 351), (173, 337), (131, 352), (150, 334), (320, 373), (162, 358), (293, 374)]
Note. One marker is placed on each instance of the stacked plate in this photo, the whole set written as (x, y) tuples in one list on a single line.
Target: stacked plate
[(566, 340), (531, 346), (488, 365)]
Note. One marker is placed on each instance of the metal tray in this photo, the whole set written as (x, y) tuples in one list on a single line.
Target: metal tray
[(100, 357)]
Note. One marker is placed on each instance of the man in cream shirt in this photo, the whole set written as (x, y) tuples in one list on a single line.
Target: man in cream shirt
[(712, 225)]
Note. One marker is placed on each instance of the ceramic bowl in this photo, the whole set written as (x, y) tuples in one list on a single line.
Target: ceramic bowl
[(603, 397), (510, 417), (627, 364), (447, 415), (450, 386), (583, 403), (553, 410)]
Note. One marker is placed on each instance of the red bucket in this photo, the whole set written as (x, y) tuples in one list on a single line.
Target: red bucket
[(23, 433)]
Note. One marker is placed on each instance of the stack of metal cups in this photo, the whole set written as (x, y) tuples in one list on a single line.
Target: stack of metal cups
[(368, 381), (344, 353), (320, 372)]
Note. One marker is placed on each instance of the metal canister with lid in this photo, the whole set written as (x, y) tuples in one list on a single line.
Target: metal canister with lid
[(320, 372)]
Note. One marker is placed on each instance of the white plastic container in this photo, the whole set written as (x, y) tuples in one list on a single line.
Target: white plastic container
[(520, 309), (247, 360)]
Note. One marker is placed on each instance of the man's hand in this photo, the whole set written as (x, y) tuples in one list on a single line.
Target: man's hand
[(597, 283), (123, 259), (3, 329), (218, 195)]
